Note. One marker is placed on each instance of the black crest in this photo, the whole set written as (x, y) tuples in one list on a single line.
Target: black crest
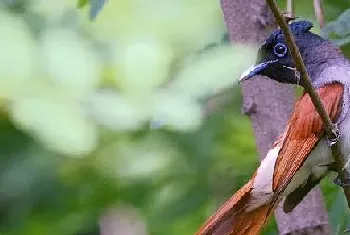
[(297, 27), (302, 26)]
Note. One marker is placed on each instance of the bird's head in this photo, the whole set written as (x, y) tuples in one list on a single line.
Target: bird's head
[(275, 61)]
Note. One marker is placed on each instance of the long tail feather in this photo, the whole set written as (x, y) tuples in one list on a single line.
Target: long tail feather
[(233, 219)]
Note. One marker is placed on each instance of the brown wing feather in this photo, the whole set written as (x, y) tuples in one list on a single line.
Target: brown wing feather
[(232, 218), (303, 132), (221, 222)]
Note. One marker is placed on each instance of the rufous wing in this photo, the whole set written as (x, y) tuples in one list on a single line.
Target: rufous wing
[(303, 132), (301, 135), (232, 219)]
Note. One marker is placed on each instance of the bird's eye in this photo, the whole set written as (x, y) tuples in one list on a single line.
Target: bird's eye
[(280, 50)]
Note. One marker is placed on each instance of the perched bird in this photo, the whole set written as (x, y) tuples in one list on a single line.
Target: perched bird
[(301, 156)]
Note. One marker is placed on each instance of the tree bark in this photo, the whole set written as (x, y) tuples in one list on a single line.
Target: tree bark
[(269, 105)]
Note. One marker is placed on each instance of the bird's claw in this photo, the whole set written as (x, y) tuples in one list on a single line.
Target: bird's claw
[(341, 183), (333, 141)]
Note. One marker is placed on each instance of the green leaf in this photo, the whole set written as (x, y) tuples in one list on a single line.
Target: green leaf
[(338, 214), (82, 3), (339, 28)]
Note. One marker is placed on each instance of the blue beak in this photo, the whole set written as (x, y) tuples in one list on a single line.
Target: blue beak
[(255, 70)]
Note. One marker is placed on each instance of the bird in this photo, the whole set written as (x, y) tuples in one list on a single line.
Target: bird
[(301, 156)]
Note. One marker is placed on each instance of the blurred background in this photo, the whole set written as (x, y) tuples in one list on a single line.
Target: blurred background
[(104, 116)]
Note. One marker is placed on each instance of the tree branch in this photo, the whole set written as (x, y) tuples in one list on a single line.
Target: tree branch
[(319, 12), (330, 128)]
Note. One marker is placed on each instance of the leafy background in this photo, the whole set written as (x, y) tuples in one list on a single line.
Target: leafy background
[(102, 112)]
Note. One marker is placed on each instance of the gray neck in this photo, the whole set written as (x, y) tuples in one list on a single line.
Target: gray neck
[(315, 70), (334, 70), (322, 55)]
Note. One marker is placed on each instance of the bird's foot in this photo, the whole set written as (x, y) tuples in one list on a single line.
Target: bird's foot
[(341, 183), (334, 139)]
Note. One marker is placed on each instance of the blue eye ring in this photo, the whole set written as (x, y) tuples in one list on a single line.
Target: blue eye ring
[(280, 50)]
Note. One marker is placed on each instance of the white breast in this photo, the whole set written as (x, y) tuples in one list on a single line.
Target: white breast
[(344, 129)]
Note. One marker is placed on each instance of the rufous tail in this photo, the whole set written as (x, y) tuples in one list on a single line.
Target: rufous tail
[(233, 219)]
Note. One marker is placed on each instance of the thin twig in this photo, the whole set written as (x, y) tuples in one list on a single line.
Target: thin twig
[(290, 8), (330, 128), (289, 14), (319, 12)]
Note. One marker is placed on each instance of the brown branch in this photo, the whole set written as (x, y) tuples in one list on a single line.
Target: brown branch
[(330, 128), (319, 12)]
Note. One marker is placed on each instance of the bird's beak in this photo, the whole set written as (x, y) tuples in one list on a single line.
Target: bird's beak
[(254, 70)]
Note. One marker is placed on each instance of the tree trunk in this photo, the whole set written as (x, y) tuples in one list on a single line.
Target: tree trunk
[(269, 105)]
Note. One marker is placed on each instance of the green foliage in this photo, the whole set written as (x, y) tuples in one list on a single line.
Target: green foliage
[(82, 3), (95, 8), (340, 28), (109, 114)]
